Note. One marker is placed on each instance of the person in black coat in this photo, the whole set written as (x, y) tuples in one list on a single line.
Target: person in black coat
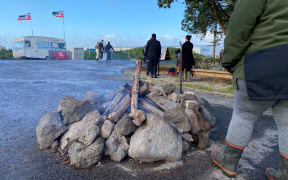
[(153, 53), (187, 57)]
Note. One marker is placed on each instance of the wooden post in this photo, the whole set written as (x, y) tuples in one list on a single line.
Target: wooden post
[(134, 101)]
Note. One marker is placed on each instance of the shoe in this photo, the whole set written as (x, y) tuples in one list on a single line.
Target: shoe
[(155, 76), (282, 174), (227, 159)]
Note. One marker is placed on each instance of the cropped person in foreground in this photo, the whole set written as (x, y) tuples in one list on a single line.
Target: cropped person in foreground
[(255, 52)]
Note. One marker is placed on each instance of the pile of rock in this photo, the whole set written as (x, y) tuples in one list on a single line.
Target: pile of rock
[(165, 125)]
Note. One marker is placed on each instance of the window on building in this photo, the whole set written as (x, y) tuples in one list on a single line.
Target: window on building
[(27, 44), (62, 46), (54, 45), (18, 45), (44, 45)]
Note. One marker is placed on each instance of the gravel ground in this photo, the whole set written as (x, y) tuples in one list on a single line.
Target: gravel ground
[(29, 89)]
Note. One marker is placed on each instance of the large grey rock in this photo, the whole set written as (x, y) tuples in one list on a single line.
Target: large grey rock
[(94, 98), (116, 147), (50, 128), (207, 115), (91, 133), (166, 103), (192, 104), (188, 95), (192, 117), (73, 110), (78, 129), (125, 126), (178, 118), (83, 156), (107, 128), (138, 117), (156, 140)]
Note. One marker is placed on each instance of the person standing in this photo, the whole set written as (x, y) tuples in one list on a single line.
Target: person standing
[(101, 49), (108, 50), (187, 58), (255, 52), (153, 53), (97, 51)]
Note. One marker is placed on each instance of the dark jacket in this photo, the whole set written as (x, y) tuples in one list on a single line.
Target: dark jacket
[(108, 48), (187, 55), (256, 46), (153, 49), (101, 46)]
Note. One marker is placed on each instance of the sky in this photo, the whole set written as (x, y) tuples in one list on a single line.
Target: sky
[(125, 23)]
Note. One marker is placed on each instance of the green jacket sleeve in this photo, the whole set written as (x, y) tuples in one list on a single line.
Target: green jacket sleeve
[(241, 24)]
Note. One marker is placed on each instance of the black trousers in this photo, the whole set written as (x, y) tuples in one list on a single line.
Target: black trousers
[(153, 63)]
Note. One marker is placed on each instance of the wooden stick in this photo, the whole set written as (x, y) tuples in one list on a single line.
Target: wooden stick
[(120, 109), (134, 101), (121, 94), (150, 108)]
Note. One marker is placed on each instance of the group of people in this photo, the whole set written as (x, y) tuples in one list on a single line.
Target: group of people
[(101, 48), (152, 54)]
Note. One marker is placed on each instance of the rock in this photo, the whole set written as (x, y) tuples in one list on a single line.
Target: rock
[(54, 146), (186, 146), (187, 96), (178, 117), (116, 147), (203, 122), (203, 102), (192, 104), (78, 129), (138, 117), (166, 103), (125, 126), (91, 133), (187, 137), (73, 110), (175, 97), (49, 129), (98, 107), (107, 128), (192, 117), (83, 157), (94, 98), (207, 115), (203, 140), (156, 140), (164, 90)]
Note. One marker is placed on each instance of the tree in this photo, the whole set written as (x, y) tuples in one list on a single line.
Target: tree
[(201, 15)]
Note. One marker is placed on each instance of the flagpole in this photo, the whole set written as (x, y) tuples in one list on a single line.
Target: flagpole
[(32, 28), (64, 26)]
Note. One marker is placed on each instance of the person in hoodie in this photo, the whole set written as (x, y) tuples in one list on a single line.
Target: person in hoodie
[(153, 54), (255, 52)]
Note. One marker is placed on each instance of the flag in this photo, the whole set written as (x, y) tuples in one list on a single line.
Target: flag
[(25, 17), (59, 14)]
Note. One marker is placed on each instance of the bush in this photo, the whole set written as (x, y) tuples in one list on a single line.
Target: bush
[(6, 54)]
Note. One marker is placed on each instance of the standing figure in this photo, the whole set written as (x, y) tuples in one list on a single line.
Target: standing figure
[(187, 58), (108, 50), (101, 49), (153, 53), (255, 52), (97, 51)]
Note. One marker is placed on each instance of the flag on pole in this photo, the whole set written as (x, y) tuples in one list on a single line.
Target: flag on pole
[(26, 17), (59, 14)]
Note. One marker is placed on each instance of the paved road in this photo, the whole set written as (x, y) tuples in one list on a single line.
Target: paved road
[(29, 89)]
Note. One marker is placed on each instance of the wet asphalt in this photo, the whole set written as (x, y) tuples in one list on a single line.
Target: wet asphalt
[(29, 89)]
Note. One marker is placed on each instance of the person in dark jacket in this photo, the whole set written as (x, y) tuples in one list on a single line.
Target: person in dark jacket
[(108, 49), (187, 58), (101, 49), (255, 52), (153, 53)]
